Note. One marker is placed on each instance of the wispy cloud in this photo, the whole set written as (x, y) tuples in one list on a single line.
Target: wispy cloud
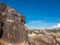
[(37, 24), (40, 24), (56, 26)]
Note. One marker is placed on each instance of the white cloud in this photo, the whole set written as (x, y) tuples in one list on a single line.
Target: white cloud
[(56, 26)]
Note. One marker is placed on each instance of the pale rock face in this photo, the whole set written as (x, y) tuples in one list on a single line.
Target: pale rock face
[(10, 20), (9, 44), (32, 35)]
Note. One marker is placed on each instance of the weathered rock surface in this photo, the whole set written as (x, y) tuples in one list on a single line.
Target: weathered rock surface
[(12, 26)]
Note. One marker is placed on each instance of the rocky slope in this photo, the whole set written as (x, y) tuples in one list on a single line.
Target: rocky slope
[(44, 37)]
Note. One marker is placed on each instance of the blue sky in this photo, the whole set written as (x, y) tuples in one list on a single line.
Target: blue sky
[(39, 13)]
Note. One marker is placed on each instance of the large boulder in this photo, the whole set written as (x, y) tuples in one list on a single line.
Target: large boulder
[(12, 25)]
